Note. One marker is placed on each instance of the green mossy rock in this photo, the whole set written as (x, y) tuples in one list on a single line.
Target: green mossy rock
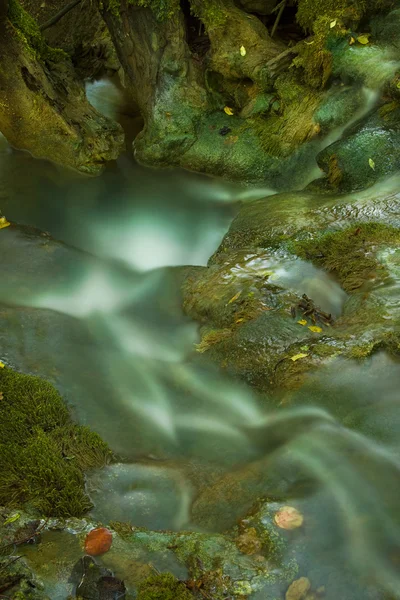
[(163, 587), (368, 151), (43, 455)]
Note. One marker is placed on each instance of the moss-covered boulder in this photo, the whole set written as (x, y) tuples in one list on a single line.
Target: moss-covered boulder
[(43, 453), (250, 300), (368, 151), (163, 587)]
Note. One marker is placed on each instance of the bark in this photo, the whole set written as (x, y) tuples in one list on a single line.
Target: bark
[(161, 77), (46, 112)]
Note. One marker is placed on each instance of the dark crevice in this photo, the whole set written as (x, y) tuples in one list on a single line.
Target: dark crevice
[(196, 35)]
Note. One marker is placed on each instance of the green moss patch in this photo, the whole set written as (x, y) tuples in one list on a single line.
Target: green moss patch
[(43, 455), (350, 254), (163, 587)]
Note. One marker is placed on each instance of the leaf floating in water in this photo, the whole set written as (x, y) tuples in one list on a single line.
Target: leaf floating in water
[(242, 51), (298, 356), (315, 329), (298, 589), (288, 517), (363, 39), (12, 519), (371, 164), (228, 110), (4, 222), (235, 297), (302, 322), (333, 23), (98, 541), (2, 365)]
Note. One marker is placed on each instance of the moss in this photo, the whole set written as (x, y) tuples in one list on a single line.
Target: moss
[(281, 134), (162, 9), (211, 12), (123, 529), (351, 253), (163, 587), (335, 174), (28, 31), (43, 455), (214, 336)]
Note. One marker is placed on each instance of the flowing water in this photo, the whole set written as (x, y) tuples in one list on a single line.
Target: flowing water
[(100, 315)]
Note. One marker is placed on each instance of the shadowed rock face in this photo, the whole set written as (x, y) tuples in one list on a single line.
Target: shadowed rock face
[(43, 107)]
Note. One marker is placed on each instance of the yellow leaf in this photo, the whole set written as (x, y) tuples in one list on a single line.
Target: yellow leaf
[(363, 39), (298, 356), (235, 297), (332, 24), (3, 222), (2, 365), (12, 519), (371, 164), (228, 111), (309, 43), (398, 85), (315, 329), (242, 50), (352, 41), (302, 322)]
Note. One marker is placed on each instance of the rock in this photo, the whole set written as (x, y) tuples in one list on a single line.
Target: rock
[(347, 162), (298, 589), (95, 582), (248, 542)]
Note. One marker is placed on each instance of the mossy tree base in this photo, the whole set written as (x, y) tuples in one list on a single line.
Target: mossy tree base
[(43, 108)]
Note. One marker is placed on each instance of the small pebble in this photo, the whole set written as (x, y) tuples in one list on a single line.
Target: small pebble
[(288, 517)]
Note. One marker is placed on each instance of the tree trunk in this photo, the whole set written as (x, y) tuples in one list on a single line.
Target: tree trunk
[(45, 111)]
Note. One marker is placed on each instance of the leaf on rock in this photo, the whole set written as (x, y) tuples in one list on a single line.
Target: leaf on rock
[(298, 589), (363, 39), (288, 518), (315, 329), (12, 519), (302, 322), (235, 297), (371, 164), (242, 51), (298, 356), (4, 222), (228, 110), (98, 541), (333, 23)]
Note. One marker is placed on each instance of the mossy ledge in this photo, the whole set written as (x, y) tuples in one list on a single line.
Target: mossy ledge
[(43, 454), (163, 587)]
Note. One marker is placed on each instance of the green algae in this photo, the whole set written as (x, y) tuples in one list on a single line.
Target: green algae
[(43, 455), (163, 587)]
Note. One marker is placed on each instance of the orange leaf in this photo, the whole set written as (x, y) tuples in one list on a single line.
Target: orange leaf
[(98, 541)]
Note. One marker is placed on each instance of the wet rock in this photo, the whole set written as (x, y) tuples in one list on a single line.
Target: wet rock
[(95, 582), (367, 152), (298, 589)]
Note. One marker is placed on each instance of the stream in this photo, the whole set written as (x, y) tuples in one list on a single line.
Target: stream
[(95, 307)]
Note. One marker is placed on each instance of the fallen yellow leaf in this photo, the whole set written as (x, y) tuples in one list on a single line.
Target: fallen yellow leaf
[(242, 50), (2, 365), (332, 24), (363, 39), (4, 222), (398, 85), (352, 41), (12, 519), (229, 111), (235, 297), (371, 164), (298, 356), (315, 329), (302, 322)]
